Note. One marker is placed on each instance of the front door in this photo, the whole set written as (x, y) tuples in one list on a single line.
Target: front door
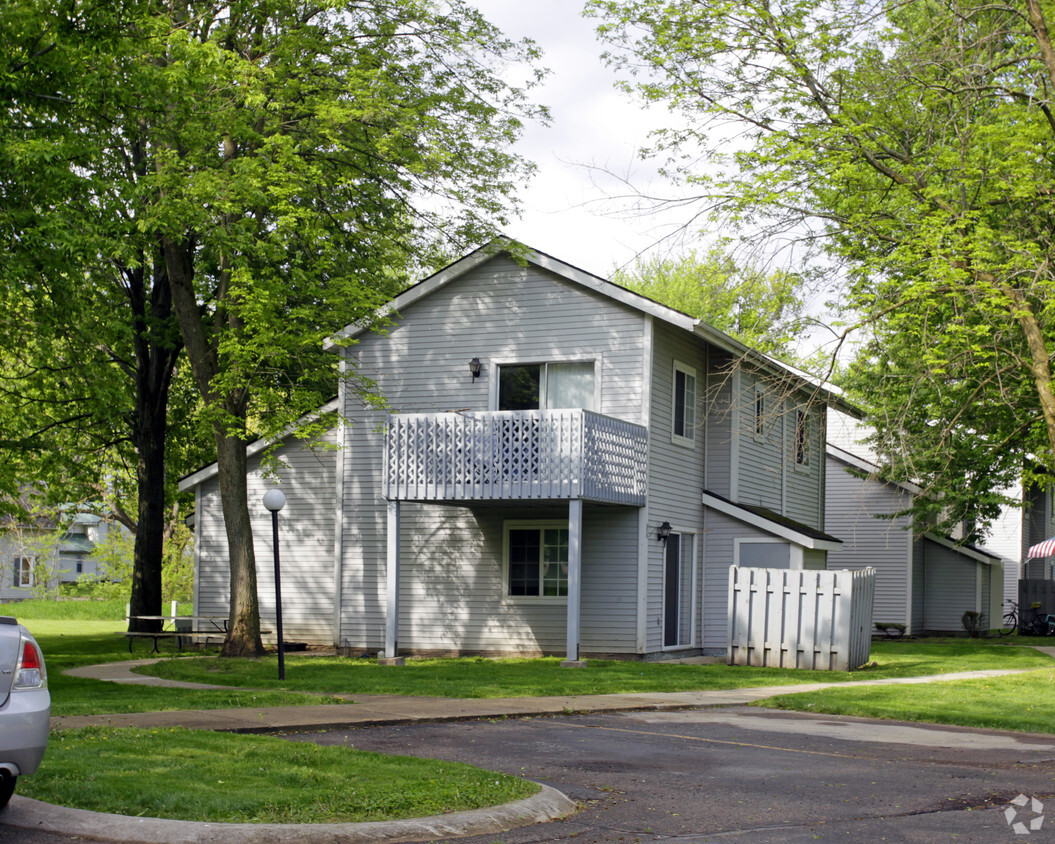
[(672, 591)]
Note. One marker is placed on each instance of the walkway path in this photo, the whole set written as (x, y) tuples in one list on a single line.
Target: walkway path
[(395, 709)]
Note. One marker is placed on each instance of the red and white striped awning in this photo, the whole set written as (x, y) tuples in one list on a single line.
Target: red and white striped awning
[(1042, 549)]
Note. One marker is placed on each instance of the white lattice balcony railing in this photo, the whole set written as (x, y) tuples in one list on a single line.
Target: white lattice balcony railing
[(558, 454)]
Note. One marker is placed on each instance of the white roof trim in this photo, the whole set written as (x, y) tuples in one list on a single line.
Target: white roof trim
[(865, 465), (600, 286), (192, 480), (989, 559), (546, 262), (775, 528)]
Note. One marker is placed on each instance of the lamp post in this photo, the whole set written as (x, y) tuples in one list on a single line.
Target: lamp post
[(274, 501)]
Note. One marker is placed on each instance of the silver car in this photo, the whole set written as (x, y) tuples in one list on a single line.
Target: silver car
[(25, 705)]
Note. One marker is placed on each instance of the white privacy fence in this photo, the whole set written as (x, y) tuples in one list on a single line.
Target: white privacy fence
[(800, 619)]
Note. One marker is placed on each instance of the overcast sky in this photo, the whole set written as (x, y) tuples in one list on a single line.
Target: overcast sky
[(569, 208)]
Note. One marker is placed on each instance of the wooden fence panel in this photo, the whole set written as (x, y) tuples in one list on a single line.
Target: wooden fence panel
[(800, 619), (1032, 591)]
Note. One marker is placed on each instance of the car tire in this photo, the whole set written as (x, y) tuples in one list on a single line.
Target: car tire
[(7, 787)]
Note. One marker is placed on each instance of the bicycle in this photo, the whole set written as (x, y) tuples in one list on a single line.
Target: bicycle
[(1010, 623), (1042, 624)]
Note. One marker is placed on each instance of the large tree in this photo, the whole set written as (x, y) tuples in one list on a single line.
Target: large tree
[(912, 146), (90, 342), (294, 161), (763, 310)]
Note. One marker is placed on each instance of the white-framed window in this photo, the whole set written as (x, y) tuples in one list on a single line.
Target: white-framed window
[(536, 559), (23, 572), (546, 386), (683, 405), (802, 439), (759, 425), (762, 553)]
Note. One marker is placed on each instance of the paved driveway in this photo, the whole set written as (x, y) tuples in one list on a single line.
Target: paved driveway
[(743, 774)]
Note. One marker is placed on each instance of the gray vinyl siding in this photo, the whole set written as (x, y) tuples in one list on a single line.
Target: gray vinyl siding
[(675, 469), (952, 588), (762, 462), (766, 472), (814, 560), (1037, 518), (804, 483), (451, 583), (852, 509), (720, 428), (362, 569), (306, 533), (504, 313), (919, 586), (718, 541)]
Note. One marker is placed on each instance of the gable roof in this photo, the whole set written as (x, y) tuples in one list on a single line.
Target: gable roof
[(974, 552), (603, 287), (772, 522), (255, 447), (868, 467)]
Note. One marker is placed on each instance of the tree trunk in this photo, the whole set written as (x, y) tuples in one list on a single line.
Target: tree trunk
[(243, 626), (157, 348), (1040, 365), (146, 569), (243, 629)]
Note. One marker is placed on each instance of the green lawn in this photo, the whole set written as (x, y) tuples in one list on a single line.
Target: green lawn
[(221, 777), (72, 643), (1023, 702), (485, 678)]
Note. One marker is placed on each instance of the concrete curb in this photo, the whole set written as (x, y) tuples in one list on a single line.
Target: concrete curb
[(24, 813)]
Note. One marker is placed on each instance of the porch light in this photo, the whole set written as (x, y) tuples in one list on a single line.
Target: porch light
[(663, 531), (474, 368)]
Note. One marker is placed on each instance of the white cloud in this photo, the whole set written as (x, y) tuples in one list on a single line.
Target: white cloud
[(569, 210)]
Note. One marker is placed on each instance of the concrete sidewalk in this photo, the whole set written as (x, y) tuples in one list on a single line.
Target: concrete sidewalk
[(372, 710)]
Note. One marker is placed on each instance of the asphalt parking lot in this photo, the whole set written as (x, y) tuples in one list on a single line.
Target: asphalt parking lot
[(745, 774)]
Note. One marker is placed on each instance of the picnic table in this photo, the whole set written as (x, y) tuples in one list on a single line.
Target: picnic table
[(195, 628)]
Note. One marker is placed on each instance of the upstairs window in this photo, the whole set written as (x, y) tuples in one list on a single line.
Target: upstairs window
[(546, 386), (802, 439), (760, 412), (683, 430)]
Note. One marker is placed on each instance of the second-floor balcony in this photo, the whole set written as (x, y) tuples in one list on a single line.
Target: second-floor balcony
[(508, 455)]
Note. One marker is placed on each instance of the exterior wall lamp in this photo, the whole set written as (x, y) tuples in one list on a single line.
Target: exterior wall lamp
[(474, 368), (663, 531)]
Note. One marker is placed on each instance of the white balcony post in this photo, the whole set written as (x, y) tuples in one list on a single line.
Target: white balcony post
[(392, 589), (574, 581)]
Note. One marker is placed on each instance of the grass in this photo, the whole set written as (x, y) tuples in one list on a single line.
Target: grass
[(184, 774), (204, 776), (110, 609), (69, 644), (488, 678), (1022, 702)]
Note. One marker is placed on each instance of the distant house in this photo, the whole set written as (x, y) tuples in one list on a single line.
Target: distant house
[(566, 467), (924, 581), (42, 549)]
